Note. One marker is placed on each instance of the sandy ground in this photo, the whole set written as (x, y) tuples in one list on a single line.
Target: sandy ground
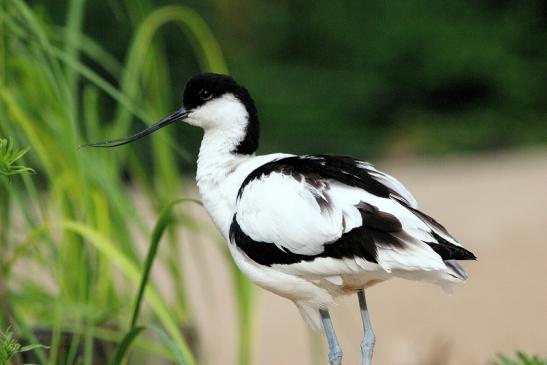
[(495, 204)]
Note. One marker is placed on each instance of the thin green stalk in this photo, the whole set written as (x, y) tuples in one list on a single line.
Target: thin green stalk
[(74, 23), (75, 17), (89, 338), (56, 334), (163, 221), (74, 344), (124, 345), (3, 38)]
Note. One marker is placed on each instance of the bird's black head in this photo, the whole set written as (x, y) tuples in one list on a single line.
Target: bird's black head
[(213, 102), (203, 90)]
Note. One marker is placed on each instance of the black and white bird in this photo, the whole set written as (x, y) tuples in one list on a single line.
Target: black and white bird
[(309, 228)]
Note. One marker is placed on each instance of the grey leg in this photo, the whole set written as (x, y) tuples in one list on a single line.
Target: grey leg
[(335, 352), (367, 345)]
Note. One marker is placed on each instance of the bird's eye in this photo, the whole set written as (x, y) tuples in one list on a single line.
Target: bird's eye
[(205, 94)]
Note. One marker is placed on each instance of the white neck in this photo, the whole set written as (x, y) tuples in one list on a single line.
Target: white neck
[(216, 159), (224, 121), (219, 171), (215, 175)]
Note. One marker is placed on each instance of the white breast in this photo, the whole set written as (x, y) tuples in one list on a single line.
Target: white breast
[(219, 177)]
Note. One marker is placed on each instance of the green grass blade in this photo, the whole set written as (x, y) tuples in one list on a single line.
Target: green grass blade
[(125, 344), (170, 345), (163, 221), (131, 336), (75, 16)]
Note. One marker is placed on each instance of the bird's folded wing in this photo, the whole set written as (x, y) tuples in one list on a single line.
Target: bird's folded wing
[(294, 215), (324, 206)]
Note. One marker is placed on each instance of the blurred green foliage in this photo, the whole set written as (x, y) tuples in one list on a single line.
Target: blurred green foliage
[(68, 231), (406, 76), (521, 359), (367, 77)]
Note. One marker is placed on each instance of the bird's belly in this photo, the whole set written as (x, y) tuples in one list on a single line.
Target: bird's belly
[(292, 282), (345, 284), (290, 286), (352, 283)]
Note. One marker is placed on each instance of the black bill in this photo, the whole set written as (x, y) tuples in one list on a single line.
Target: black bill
[(176, 116)]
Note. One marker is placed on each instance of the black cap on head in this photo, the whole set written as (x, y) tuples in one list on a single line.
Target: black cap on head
[(204, 87), (199, 90)]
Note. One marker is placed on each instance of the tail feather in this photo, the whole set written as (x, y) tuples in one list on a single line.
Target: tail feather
[(455, 269)]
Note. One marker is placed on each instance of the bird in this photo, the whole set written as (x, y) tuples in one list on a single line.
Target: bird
[(310, 228)]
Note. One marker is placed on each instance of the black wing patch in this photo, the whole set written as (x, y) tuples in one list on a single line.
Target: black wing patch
[(315, 169), (449, 251), (375, 219), (444, 248), (359, 242)]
